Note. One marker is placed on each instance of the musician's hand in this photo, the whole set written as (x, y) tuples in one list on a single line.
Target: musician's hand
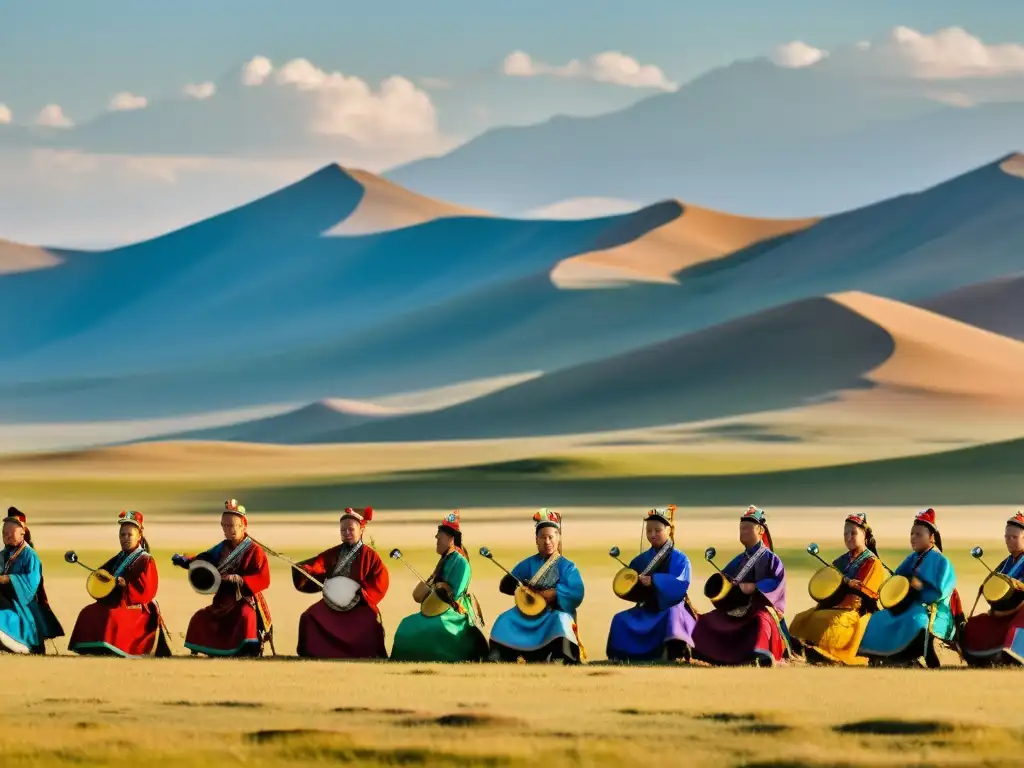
[(550, 595), (5, 579), (232, 578), (854, 583), (645, 580), (180, 560), (439, 586), (121, 582), (917, 584), (747, 588)]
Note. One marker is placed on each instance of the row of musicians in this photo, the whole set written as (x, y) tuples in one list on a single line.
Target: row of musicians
[(747, 624)]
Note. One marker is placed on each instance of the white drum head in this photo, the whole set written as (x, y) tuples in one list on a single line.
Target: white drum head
[(204, 577), (341, 593)]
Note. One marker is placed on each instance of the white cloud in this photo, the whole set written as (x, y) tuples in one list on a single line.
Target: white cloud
[(126, 102), (5, 114), (607, 67), (52, 116), (948, 53), (797, 54), (435, 83), (256, 70), (199, 90)]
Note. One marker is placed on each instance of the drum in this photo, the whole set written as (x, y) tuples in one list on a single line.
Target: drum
[(825, 584), (204, 577), (529, 602), (99, 584), (625, 581), (1000, 593), (341, 593), (433, 605), (720, 591), (895, 594)]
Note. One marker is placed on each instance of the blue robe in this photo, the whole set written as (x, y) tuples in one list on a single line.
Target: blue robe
[(514, 630), (888, 635), (640, 633), (22, 622)]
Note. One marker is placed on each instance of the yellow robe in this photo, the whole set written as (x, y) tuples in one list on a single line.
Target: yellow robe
[(835, 632)]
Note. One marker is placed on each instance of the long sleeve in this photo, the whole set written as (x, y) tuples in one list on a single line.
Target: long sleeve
[(316, 567), (523, 571), (773, 584), (142, 581), (871, 575), (937, 576), (456, 574), (26, 574), (255, 572), (373, 576), (670, 588), (569, 589), (906, 568)]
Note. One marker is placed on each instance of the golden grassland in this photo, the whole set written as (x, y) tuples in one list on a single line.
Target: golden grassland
[(269, 712)]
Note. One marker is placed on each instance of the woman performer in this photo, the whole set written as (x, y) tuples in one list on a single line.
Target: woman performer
[(238, 622), (997, 637), (553, 635), (357, 633), (832, 630), (126, 622), (905, 636), (455, 635), (755, 632), (660, 625), (26, 620)]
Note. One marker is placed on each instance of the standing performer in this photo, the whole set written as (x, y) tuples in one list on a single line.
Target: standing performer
[(553, 634), (238, 621), (997, 637), (126, 622), (345, 632), (661, 624), (26, 620), (832, 630), (904, 632), (454, 635), (754, 631)]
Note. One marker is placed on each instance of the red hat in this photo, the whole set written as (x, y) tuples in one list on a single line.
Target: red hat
[(451, 522), (15, 515), (547, 518), (927, 518), (232, 507), (858, 518), (1017, 520), (363, 517), (131, 517)]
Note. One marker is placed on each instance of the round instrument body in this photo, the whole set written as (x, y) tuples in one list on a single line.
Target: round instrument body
[(341, 593), (624, 582), (204, 577), (530, 603), (824, 584), (725, 597), (433, 605), (895, 594), (1000, 593), (99, 584)]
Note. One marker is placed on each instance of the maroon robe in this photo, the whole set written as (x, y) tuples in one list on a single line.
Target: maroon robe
[(126, 622), (238, 621), (356, 634)]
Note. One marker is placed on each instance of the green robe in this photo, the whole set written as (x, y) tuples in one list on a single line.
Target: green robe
[(452, 636)]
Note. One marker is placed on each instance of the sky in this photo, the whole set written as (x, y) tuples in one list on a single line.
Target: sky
[(79, 54)]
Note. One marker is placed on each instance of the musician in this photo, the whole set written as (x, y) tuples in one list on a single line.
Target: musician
[(238, 622), (903, 634), (754, 632), (26, 620), (356, 633), (661, 623), (832, 630), (126, 622), (454, 635), (553, 635), (997, 637)]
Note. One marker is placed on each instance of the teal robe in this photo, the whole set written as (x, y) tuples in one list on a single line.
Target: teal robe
[(22, 621), (452, 636)]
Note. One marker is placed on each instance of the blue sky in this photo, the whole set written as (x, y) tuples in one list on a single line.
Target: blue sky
[(79, 53)]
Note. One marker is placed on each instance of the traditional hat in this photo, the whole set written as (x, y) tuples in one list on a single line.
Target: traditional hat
[(547, 518), (362, 517), (859, 519), (927, 519), (451, 522), (667, 515), (131, 517), (757, 516), (15, 515), (1017, 520), (232, 507)]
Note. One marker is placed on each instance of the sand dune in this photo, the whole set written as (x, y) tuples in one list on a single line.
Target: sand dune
[(386, 206), (15, 257), (696, 235), (995, 305)]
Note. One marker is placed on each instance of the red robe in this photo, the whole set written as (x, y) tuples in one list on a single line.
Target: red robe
[(356, 634), (126, 622), (238, 621)]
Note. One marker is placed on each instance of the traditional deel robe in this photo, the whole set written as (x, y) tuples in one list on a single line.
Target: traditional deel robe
[(988, 636), (759, 634), (325, 633), (126, 622), (452, 636), (516, 634), (834, 629), (23, 620), (641, 632), (238, 621), (889, 634)]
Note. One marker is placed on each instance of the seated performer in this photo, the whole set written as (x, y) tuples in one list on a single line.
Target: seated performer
[(660, 625), (26, 620), (832, 630), (238, 622), (754, 632), (552, 635), (997, 637), (903, 633), (455, 635), (328, 631), (126, 622)]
